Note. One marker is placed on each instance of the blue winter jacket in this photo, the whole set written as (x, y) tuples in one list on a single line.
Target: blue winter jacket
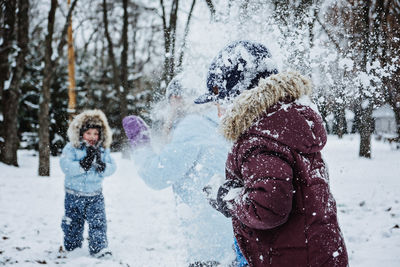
[(76, 178), (196, 153)]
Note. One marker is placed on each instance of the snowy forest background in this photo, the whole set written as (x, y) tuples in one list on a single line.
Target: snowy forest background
[(127, 51)]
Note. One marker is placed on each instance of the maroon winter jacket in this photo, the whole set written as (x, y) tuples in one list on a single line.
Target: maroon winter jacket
[(285, 214)]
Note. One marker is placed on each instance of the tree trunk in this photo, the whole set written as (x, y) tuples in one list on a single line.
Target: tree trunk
[(393, 88), (111, 54), (44, 122), (391, 34), (116, 75), (366, 100), (165, 77), (124, 79), (365, 145), (10, 113), (340, 120), (169, 41), (124, 62), (173, 20), (8, 36), (396, 110), (365, 128), (71, 71), (10, 97)]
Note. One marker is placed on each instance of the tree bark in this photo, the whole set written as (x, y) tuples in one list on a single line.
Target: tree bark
[(71, 70), (365, 103), (391, 33), (124, 78), (44, 122), (396, 109), (8, 36), (366, 129), (169, 40), (111, 53), (124, 62), (11, 96), (340, 119), (134, 39), (173, 20), (165, 77)]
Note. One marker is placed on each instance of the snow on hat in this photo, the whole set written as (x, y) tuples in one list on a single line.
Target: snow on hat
[(237, 67), (174, 88)]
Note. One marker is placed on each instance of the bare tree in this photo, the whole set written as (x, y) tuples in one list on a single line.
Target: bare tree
[(10, 96), (369, 29), (389, 18), (49, 66), (111, 54), (124, 61), (119, 78), (364, 46), (366, 41), (44, 123), (169, 22), (8, 37)]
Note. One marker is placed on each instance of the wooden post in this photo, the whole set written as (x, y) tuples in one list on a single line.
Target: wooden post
[(71, 73)]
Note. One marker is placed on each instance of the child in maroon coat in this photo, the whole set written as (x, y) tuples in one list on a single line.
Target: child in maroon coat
[(276, 188)]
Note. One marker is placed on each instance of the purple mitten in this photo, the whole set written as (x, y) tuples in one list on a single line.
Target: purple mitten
[(136, 130)]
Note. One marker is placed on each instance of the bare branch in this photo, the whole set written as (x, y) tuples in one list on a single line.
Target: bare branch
[(211, 7), (63, 40), (163, 17), (87, 43), (330, 36), (186, 34)]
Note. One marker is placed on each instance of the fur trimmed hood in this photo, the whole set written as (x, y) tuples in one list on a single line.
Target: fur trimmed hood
[(252, 104), (93, 117)]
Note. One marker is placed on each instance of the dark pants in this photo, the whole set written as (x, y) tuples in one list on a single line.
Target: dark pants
[(77, 210)]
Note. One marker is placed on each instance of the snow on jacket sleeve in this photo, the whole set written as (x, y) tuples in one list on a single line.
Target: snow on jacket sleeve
[(69, 162), (163, 169), (266, 200), (110, 164)]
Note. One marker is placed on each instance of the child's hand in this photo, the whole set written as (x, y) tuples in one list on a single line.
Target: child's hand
[(87, 161), (100, 165), (230, 187), (217, 191), (136, 130)]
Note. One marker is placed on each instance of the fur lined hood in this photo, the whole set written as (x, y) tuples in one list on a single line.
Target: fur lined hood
[(94, 117), (252, 104)]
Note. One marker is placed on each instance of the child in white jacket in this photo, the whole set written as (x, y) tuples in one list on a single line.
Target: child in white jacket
[(194, 154)]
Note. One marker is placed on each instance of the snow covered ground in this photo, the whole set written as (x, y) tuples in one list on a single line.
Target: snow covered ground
[(142, 223)]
